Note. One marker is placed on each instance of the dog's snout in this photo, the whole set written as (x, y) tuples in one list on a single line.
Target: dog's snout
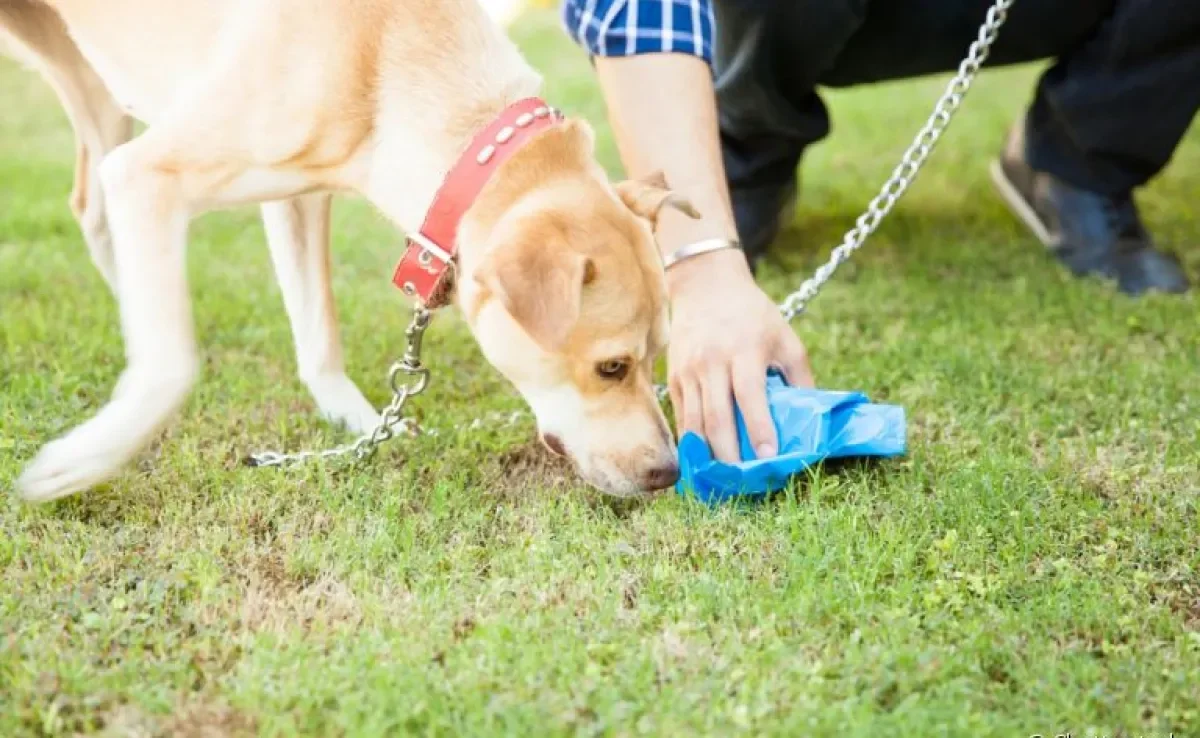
[(661, 477), (554, 444)]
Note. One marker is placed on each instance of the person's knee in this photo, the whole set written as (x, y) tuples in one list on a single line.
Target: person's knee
[(769, 57)]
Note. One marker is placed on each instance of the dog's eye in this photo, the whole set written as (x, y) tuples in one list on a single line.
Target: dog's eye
[(613, 369)]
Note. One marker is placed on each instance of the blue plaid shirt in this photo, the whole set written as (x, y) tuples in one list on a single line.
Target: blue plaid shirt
[(626, 27)]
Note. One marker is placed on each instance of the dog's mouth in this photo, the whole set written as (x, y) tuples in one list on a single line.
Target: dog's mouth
[(644, 483), (627, 489), (613, 480)]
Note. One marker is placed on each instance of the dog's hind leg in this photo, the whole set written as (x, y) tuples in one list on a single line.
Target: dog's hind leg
[(298, 235), (99, 123)]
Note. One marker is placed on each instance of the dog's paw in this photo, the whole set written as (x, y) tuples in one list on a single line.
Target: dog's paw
[(358, 422), (66, 466), (342, 403), (96, 450)]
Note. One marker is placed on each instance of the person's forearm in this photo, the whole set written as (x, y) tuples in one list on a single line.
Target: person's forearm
[(663, 114)]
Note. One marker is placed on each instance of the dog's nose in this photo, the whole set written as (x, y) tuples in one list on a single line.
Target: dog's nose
[(661, 477), (554, 444)]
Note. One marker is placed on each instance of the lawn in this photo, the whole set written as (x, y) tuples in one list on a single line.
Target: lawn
[(1032, 565)]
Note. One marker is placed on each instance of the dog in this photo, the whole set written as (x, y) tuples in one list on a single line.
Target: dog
[(286, 104)]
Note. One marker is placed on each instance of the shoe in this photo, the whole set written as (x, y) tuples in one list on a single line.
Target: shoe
[(1091, 233), (759, 214)]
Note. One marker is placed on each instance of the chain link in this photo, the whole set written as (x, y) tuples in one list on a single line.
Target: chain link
[(910, 164), (409, 377)]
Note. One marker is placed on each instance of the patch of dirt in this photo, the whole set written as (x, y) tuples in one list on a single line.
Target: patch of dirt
[(1110, 472), (192, 718), (275, 600), (528, 467), (127, 721), (325, 602), (1182, 596), (262, 527), (208, 720)]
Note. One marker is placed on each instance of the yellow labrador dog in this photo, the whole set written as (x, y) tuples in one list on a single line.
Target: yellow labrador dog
[(408, 103)]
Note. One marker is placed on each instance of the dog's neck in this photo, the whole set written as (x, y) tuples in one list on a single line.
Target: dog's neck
[(420, 132), (553, 173)]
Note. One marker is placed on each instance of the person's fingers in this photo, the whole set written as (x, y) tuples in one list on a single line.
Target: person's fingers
[(750, 391), (690, 416), (793, 361), (675, 391), (719, 428)]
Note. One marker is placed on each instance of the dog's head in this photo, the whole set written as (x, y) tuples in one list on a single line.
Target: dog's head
[(565, 293)]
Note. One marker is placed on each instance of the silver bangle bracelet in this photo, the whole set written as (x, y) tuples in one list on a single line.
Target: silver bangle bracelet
[(697, 248)]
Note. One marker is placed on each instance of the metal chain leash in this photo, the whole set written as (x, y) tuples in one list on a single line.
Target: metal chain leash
[(910, 164), (409, 377)]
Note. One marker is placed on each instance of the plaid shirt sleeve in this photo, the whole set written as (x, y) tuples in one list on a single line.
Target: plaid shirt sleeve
[(627, 27)]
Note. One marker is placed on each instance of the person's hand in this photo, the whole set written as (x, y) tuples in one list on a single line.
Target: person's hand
[(725, 334)]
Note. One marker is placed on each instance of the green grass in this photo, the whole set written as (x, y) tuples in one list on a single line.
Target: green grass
[(1030, 567)]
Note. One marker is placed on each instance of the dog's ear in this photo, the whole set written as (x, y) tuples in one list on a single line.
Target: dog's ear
[(648, 195), (540, 286)]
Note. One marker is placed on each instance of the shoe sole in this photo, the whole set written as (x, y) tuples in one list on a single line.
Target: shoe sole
[(1019, 206)]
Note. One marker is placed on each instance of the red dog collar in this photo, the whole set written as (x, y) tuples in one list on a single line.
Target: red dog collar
[(426, 269)]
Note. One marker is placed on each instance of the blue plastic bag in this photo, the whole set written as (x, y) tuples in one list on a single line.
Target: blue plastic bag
[(812, 425)]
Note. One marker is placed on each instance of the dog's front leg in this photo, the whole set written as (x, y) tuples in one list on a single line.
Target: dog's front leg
[(152, 187), (298, 235), (148, 215)]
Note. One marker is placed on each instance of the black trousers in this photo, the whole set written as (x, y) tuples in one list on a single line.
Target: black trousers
[(1106, 117)]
